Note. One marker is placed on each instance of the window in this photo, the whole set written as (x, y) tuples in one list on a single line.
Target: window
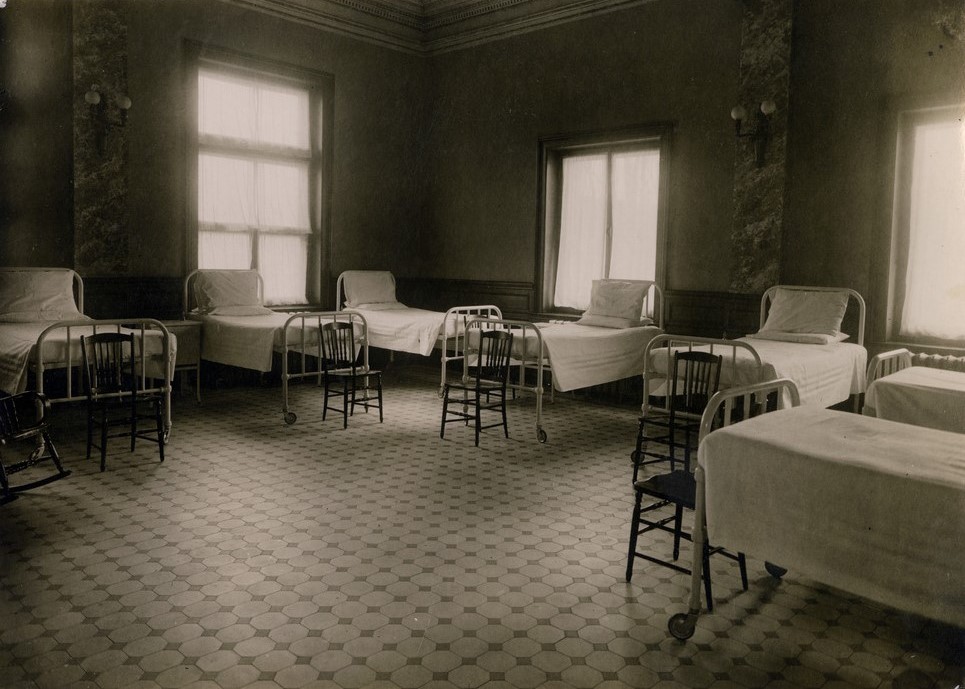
[(258, 151), (928, 244), (602, 214)]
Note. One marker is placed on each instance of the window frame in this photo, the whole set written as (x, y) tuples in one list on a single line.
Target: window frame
[(552, 151), (892, 250), (321, 90)]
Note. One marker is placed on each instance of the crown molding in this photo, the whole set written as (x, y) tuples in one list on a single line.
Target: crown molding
[(427, 27)]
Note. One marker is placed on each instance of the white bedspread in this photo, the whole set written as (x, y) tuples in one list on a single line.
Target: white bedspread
[(404, 330), (18, 350), (248, 341), (922, 396), (825, 374), (872, 507), (583, 355)]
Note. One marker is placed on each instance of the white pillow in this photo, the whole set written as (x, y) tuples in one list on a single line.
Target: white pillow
[(381, 306), (803, 338), (214, 288), (618, 298), (802, 311), (613, 321), (368, 287), (252, 310), (37, 295)]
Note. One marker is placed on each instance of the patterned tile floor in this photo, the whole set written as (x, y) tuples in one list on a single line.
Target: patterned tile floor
[(265, 555)]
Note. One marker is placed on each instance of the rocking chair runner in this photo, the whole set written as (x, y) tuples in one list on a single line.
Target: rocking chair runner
[(23, 421)]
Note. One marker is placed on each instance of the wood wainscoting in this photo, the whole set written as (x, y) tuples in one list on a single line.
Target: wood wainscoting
[(703, 313)]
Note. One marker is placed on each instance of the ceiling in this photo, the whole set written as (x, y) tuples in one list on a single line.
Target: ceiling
[(433, 26)]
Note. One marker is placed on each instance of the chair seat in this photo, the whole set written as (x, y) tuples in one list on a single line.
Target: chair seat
[(678, 486)]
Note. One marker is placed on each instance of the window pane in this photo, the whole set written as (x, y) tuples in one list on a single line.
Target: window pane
[(283, 196), (635, 193), (226, 191), (224, 250), (934, 303), (283, 116), (582, 230), (283, 263), (226, 106), (252, 111)]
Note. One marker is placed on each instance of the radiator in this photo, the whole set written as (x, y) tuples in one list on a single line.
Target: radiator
[(947, 361)]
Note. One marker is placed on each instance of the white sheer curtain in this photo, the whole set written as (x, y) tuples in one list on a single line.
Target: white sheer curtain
[(253, 181), (582, 230), (629, 202), (934, 300), (634, 190)]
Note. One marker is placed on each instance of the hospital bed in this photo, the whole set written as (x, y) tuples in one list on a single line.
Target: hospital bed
[(868, 506), (399, 328), (918, 395), (41, 326), (237, 330), (826, 364), (574, 354)]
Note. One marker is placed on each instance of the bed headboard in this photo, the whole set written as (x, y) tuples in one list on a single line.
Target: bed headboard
[(854, 317), (76, 279), (190, 299), (653, 305)]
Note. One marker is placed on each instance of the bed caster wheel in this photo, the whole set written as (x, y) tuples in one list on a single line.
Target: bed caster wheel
[(290, 417), (682, 625), (541, 435), (774, 570)]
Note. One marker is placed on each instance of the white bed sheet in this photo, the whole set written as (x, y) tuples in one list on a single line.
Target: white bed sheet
[(825, 374), (18, 346), (872, 507), (919, 395), (404, 330), (249, 341), (583, 355)]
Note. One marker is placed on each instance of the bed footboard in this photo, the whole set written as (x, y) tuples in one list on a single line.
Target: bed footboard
[(659, 362), (300, 340), (528, 353), (153, 371), (454, 332)]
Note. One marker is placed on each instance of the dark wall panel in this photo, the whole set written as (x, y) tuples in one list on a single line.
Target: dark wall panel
[(661, 61), (36, 131)]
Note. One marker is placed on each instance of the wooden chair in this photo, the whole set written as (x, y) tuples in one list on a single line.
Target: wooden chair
[(695, 380), (483, 381), (696, 377), (23, 421), (339, 363), (114, 399)]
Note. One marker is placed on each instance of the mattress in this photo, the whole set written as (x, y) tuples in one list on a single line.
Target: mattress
[(581, 355), (406, 330), (249, 341), (872, 507), (18, 345), (825, 374)]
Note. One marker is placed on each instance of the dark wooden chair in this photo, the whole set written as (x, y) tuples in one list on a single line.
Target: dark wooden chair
[(114, 399), (696, 376), (360, 386), (485, 387), (23, 422), (661, 436)]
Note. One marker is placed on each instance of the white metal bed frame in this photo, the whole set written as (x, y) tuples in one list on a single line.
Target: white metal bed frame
[(39, 365), (451, 346), (537, 358), (724, 408), (655, 376), (301, 346)]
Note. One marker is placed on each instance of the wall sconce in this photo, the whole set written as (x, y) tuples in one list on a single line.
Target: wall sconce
[(761, 133), (104, 120)]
